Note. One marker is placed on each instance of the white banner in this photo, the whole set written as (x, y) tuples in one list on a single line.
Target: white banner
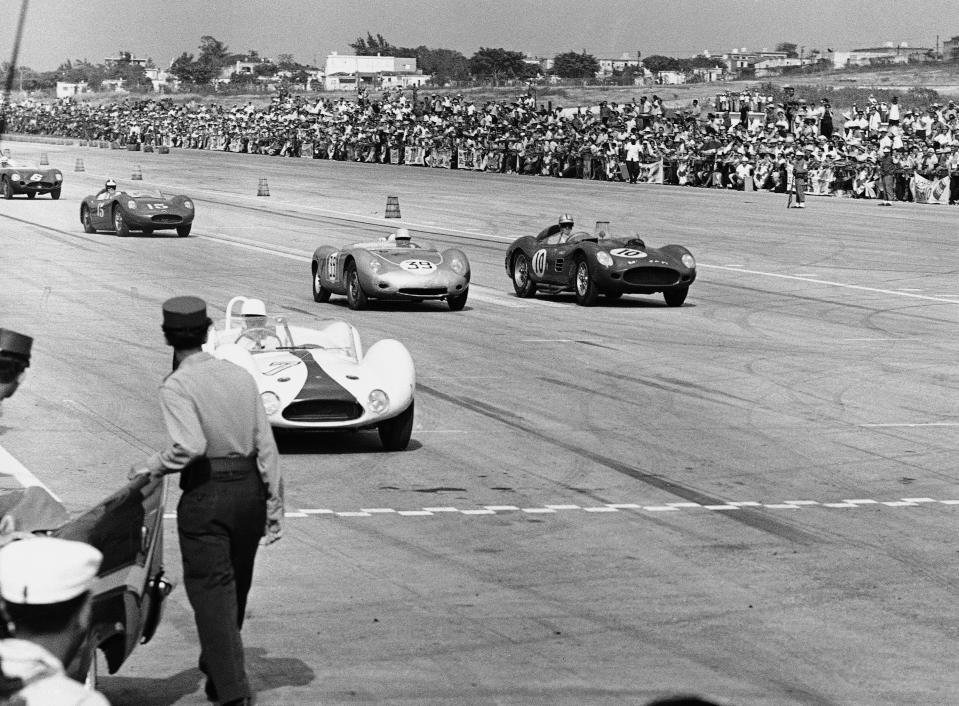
[(651, 173), (929, 190)]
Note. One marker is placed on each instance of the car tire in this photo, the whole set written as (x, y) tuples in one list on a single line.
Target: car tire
[(320, 293), (586, 290), (7, 189), (457, 301), (355, 296), (184, 230), (395, 433), (148, 231), (86, 220), (31, 194), (120, 225), (675, 297), (523, 283), (55, 194)]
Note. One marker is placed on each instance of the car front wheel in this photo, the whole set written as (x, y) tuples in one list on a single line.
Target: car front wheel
[(7, 189), (457, 301), (55, 194), (184, 230), (120, 225), (586, 290), (675, 297), (87, 221), (355, 296), (395, 433), (320, 293), (523, 283)]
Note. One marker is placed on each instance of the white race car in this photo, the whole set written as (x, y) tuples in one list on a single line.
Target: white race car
[(318, 377)]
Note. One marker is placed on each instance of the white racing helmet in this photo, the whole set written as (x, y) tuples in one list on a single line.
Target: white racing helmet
[(253, 307)]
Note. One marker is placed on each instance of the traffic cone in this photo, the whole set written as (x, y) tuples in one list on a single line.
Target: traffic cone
[(79, 167), (263, 189), (137, 174), (44, 162), (392, 207)]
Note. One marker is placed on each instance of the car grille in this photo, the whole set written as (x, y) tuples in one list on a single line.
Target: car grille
[(36, 185), (166, 218), (651, 276), (423, 291), (322, 411)]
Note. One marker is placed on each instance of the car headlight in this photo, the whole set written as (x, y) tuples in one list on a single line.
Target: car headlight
[(689, 261), (131, 205), (458, 265), (604, 258), (375, 267), (58, 176), (271, 403), (15, 176), (379, 401), (188, 204)]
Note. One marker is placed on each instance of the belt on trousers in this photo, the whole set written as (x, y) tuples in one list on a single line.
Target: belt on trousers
[(224, 468)]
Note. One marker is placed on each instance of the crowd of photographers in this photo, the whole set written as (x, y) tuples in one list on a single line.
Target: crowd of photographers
[(740, 140)]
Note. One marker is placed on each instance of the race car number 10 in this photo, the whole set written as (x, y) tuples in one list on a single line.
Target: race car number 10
[(628, 252)]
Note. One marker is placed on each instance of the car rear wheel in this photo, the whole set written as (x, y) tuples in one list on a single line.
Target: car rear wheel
[(320, 293), (120, 225), (586, 290), (523, 284), (55, 194), (184, 230), (31, 194), (675, 297), (395, 433), (457, 301), (355, 296), (7, 189), (87, 221)]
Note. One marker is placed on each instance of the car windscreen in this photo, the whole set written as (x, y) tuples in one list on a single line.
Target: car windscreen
[(145, 193)]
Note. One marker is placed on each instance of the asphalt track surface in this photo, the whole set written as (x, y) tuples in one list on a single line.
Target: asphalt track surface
[(752, 497)]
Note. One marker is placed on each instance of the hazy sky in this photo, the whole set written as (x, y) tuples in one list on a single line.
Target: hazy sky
[(57, 30)]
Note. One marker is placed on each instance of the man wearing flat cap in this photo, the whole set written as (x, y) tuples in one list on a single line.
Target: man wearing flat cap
[(220, 442), (45, 586), (14, 361)]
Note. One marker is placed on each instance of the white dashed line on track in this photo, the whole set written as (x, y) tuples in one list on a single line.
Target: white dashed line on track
[(619, 508)]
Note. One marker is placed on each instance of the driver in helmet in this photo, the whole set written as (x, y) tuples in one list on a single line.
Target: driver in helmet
[(109, 188), (257, 329), (402, 238), (565, 227)]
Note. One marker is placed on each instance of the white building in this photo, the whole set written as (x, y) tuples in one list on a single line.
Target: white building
[(344, 70), (66, 89), (608, 66)]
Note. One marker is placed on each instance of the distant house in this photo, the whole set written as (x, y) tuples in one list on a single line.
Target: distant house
[(344, 71), (609, 66), (882, 56), (775, 66), (708, 75), (113, 84), (670, 78), (123, 58), (739, 61), (66, 89), (950, 49)]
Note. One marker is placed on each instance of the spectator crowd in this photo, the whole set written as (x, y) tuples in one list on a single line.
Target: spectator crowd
[(741, 140)]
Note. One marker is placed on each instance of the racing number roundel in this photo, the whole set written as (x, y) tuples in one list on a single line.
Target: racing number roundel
[(631, 253), (539, 262), (418, 266), (331, 266)]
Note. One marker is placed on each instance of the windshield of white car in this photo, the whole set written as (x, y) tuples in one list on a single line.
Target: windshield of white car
[(16, 164), (276, 332)]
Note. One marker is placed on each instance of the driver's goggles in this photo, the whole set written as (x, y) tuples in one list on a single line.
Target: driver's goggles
[(10, 368)]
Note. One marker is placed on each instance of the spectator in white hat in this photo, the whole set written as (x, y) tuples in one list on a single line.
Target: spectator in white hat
[(45, 588)]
